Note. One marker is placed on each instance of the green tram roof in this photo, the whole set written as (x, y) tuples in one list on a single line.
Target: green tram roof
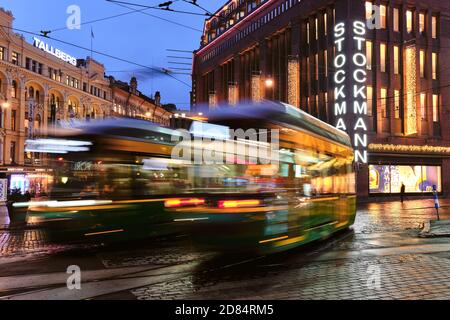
[(282, 114)]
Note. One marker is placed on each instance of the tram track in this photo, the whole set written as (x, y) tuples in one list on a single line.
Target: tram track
[(131, 278)]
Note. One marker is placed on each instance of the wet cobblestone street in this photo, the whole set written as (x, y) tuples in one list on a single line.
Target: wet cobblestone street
[(381, 257)]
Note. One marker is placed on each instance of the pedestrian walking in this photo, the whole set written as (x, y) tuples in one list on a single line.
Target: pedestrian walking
[(436, 201), (402, 192)]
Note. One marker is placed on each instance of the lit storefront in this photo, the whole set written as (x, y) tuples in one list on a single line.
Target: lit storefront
[(419, 168), (34, 181), (386, 179)]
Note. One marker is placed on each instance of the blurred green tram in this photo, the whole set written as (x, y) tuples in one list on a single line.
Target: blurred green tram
[(111, 180), (118, 179), (307, 194)]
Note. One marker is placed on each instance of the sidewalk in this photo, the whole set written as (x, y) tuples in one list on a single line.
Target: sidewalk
[(4, 217)]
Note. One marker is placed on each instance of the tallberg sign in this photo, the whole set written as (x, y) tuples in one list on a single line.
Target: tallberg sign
[(38, 43)]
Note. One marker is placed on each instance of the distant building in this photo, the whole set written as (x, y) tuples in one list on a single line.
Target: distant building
[(128, 101)]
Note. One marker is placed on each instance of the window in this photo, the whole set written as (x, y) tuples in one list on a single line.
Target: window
[(422, 22), (383, 17), (434, 63), (396, 19), (325, 62), (317, 28), (422, 63), (383, 102), (397, 104), (409, 21), (369, 10), (317, 66), (12, 152), (307, 32), (369, 50), (14, 89), (325, 23), (308, 73), (423, 110), (396, 60), (13, 120), (2, 53), (15, 58), (434, 27), (369, 100), (435, 108), (317, 105), (382, 57)]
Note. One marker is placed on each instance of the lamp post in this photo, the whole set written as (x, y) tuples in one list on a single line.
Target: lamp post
[(4, 105)]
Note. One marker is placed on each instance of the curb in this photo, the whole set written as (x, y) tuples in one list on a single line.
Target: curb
[(431, 226)]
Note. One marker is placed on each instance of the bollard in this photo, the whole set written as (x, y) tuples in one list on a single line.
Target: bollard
[(436, 201)]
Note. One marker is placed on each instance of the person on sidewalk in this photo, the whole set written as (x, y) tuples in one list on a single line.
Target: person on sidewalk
[(402, 192)]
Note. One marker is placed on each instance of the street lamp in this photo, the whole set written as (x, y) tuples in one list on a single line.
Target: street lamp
[(269, 83), (5, 104)]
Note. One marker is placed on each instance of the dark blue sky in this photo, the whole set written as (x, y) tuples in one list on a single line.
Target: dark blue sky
[(137, 37)]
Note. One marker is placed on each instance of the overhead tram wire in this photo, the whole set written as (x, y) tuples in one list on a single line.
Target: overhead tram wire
[(142, 11), (175, 50), (194, 3), (99, 20), (162, 71), (160, 18), (174, 62), (175, 57), (159, 8)]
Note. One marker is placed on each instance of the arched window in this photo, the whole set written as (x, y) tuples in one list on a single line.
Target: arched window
[(52, 109), (38, 96), (31, 93), (72, 108), (14, 89), (37, 122)]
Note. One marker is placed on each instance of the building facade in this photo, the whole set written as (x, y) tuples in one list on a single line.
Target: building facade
[(376, 69), (42, 86), (128, 101)]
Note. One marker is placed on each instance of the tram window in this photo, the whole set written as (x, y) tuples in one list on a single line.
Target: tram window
[(140, 134)]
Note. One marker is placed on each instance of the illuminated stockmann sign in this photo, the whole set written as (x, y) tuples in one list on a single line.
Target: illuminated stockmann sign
[(356, 103), (38, 43)]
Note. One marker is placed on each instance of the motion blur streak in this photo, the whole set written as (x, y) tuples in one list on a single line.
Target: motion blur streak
[(298, 188)]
